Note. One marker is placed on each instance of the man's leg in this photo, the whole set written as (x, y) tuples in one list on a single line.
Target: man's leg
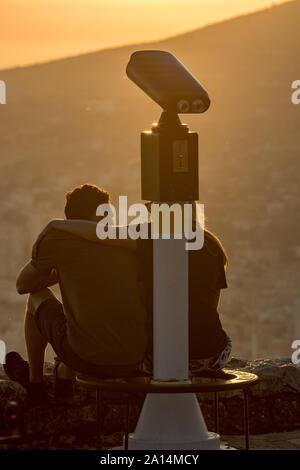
[(35, 343)]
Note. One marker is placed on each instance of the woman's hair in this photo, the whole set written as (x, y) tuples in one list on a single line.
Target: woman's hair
[(214, 245), (211, 241)]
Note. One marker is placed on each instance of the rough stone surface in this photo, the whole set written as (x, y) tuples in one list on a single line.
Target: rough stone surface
[(279, 441), (274, 405)]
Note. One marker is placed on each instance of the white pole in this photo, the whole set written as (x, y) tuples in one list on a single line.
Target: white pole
[(171, 421), (170, 308)]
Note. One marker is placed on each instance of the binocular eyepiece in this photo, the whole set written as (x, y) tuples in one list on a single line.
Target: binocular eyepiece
[(166, 80)]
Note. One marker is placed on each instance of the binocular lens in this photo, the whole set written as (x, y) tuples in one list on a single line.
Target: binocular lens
[(183, 106), (198, 106)]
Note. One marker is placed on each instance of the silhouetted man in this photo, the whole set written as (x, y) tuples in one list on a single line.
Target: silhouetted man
[(99, 328)]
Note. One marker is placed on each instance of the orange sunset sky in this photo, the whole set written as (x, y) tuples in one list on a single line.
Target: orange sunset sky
[(39, 30)]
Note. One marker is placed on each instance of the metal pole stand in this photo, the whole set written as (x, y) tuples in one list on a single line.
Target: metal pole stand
[(171, 421)]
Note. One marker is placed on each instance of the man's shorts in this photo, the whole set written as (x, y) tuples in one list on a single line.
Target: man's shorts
[(216, 362), (51, 322)]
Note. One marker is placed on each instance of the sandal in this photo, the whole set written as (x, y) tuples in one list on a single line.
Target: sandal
[(17, 370)]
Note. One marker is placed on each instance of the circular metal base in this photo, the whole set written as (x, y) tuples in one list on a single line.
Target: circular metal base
[(223, 446), (209, 442)]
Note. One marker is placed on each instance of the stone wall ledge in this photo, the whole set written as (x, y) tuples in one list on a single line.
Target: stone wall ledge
[(274, 405)]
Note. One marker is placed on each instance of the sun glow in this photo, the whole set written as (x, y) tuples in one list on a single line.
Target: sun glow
[(39, 30)]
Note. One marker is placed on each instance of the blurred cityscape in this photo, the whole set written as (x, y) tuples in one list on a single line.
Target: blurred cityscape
[(79, 120)]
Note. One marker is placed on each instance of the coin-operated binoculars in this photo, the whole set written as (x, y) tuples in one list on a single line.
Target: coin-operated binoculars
[(169, 158), (169, 150)]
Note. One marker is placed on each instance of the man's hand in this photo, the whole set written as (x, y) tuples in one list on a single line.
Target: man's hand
[(31, 280)]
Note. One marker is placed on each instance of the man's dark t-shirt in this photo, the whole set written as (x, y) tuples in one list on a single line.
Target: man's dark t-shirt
[(206, 277), (101, 299)]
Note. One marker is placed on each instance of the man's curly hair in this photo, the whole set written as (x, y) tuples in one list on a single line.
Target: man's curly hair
[(83, 201)]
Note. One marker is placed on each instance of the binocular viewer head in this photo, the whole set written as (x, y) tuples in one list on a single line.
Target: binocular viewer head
[(166, 80)]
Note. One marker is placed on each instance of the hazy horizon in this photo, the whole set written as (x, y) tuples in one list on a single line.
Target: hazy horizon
[(49, 30), (75, 121)]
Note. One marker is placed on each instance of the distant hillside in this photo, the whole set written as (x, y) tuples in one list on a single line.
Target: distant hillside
[(79, 119)]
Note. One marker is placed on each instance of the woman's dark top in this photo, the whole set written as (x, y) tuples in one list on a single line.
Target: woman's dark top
[(206, 277)]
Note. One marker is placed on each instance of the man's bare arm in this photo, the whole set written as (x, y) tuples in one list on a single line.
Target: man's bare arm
[(31, 280)]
